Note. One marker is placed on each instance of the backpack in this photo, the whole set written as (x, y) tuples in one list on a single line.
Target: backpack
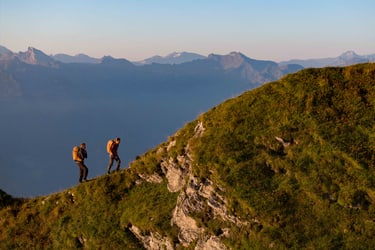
[(109, 145), (75, 153)]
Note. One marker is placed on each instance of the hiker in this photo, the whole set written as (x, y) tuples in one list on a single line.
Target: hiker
[(79, 156), (112, 147)]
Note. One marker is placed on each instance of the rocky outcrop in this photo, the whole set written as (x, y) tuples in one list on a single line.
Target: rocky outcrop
[(195, 197), (211, 243), (155, 178), (176, 172), (152, 241), (189, 230)]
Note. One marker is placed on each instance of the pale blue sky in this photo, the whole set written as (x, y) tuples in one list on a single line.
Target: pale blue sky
[(261, 29)]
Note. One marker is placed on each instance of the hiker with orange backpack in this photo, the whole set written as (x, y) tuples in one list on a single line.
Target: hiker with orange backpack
[(112, 147), (79, 156)]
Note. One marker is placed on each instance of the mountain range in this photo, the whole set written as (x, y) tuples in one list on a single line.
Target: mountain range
[(172, 58), (345, 59), (253, 71), (289, 165)]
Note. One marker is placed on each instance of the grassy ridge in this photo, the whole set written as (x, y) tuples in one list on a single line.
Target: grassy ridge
[(96, 214), (295, 158), (318, 190)]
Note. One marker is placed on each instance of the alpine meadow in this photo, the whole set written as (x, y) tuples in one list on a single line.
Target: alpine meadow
[(288, 165)]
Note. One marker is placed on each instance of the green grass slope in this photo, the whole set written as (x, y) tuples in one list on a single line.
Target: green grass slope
[(318, 189), (294, 158)]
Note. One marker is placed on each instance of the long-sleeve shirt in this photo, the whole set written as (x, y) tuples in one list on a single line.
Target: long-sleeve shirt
[(114, 148), (82, 153)]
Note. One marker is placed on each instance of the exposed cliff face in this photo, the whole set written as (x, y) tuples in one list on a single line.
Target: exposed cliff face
[(195, 197)]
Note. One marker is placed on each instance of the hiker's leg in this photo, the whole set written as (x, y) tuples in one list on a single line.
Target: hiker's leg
[(110, 164), (81, 171), (85, 172), (118, 163)]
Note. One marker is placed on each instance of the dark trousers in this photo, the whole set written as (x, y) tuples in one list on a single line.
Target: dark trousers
[(111, 159), (83, 171)]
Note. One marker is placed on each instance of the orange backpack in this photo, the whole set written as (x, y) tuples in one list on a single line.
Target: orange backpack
[(109, 145), (75, 154)]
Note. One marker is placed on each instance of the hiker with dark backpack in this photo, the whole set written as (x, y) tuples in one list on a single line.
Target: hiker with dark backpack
[(112, 147), (79, 156)]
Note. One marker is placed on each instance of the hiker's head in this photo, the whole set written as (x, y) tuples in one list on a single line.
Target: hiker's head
[(118, 140), (83, 145)]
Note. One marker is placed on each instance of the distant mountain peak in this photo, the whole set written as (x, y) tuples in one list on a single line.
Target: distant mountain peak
[(36, 57), (4, 51), (30, 55), (231, 54), (175, 54), (78, 58), (172, 58), (229, 61), (236, 54), (349, 55), (109, 60)]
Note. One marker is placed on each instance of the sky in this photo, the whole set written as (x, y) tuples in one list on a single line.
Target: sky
[(275, 30)]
